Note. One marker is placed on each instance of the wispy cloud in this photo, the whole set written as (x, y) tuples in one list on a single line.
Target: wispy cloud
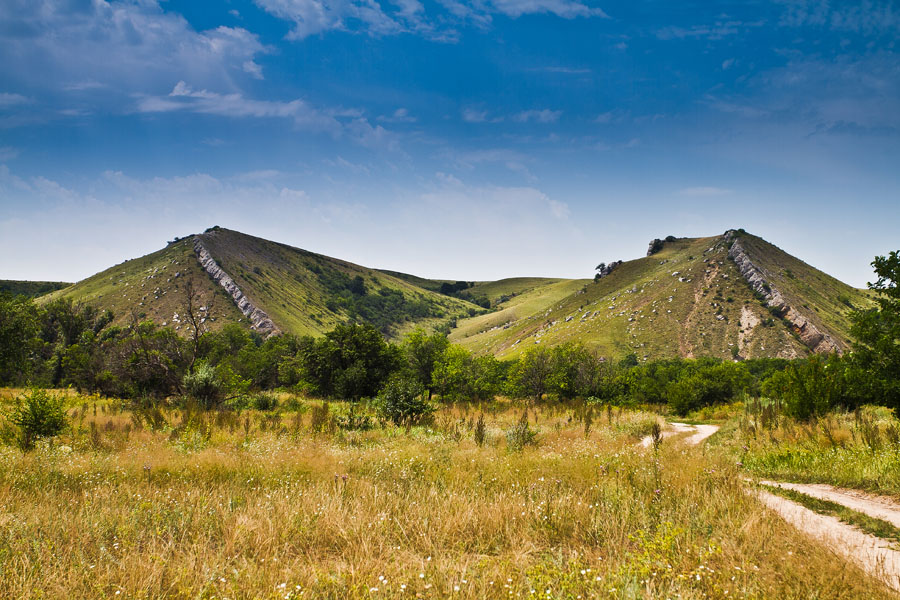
[(538, 116), (337, 122), (472, 115), (7, 100), (8, 153), (184, 98), (380, 18), (561, 70), (867, 17), (704, 191), (401, 115), (119, 46)]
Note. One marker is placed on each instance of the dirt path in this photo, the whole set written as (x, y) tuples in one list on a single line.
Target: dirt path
[(701, 432), (880, 507), (874, 555), (686, 350)]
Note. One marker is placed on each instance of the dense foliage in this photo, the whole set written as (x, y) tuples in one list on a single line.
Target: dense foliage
[(63, 343)]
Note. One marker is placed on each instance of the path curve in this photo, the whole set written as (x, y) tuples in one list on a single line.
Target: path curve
[(880, 507), (701, 432), (874, 555)]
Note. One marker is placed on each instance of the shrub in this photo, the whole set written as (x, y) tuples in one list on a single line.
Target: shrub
[(808, 389), (204, 386), (520, 435), (264, 401), (480, 433), (36, 415), (402, 400)]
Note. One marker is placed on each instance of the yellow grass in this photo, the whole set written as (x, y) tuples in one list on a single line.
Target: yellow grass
[(257, 506)]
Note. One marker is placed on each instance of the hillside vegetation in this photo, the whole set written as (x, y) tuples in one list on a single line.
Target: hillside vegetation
[(688, 299), (304, 293), (31, 289)]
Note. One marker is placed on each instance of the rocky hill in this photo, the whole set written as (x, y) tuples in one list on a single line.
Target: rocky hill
[(730, 296), (270, 287)]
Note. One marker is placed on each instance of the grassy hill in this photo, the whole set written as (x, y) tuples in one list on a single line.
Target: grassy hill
[(302, 292), (32, 289), (688, 299)]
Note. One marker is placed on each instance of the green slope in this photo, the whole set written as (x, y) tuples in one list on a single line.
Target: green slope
[(152, 287), (309, 293), (302, 292), (687, 300)]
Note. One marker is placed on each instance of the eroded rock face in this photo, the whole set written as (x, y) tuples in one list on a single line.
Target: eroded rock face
[(810, 335), (259, 320)]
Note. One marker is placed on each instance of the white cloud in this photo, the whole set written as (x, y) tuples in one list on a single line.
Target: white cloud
[(7, 100), (867, 17), (567, 9), (123, 46), (471, 115), (560, 210), (184, 98), (379, 18), (538, 116), (8, 153), (704, 191), (253, 69), (401, 115)]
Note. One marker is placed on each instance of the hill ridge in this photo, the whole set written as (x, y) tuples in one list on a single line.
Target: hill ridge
[(259, 319)]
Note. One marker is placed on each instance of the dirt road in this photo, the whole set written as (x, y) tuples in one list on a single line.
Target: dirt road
[(875, 556), (701, 432)]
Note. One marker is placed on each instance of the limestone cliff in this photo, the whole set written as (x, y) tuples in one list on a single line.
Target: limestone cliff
[(811, 336), (259, 320)]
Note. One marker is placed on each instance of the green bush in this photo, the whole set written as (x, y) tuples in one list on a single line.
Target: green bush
[(204, 387), (520, 435), (402, 400), (809, 388), (35, 415)]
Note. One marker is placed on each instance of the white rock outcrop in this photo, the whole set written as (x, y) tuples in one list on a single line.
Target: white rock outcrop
[(813, 338), (259, 320)]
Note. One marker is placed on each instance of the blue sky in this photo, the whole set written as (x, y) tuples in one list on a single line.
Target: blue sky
[(458, 138)]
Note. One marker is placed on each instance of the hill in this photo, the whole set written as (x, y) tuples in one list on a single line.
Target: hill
[(729, 296), (31, 289), (271, 287)]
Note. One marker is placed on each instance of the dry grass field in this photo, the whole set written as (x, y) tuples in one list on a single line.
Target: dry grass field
[(291, 504)]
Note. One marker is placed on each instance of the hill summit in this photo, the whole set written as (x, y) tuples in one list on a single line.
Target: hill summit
[(731, 296)]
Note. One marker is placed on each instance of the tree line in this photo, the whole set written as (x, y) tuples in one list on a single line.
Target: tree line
[(65, 343)]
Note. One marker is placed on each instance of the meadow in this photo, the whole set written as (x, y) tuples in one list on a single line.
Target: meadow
[(300, 501)]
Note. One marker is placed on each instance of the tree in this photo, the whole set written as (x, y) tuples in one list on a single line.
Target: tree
[(459, 376), (19, 324), (877, 333), (532, 373), (194, 315), (352, 361), (422, 352)]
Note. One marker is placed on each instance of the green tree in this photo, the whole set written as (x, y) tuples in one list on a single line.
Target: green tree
[(19, 325), (877, 333), (422, 353), (402, 399), (531, 375), (352, 361), (460, 376), (34, 416), (808, 388)]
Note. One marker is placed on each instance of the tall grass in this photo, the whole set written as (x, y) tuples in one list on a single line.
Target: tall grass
[(248, 505), (858, 449)]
